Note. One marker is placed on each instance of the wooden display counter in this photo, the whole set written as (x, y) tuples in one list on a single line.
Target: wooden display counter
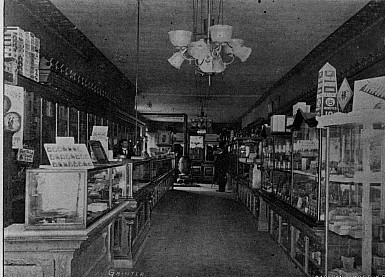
[(84, 252)]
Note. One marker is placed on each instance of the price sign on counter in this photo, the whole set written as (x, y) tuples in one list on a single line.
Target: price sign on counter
[(68, 156)]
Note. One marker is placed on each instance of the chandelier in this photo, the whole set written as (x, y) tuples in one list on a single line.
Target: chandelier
[(212, 48)]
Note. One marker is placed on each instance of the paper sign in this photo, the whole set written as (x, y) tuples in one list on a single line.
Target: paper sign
[(68, 156), (65, 140), (369, 94), (100, 131), (25, 155), (344, 94), (327, 91), (14, 113)]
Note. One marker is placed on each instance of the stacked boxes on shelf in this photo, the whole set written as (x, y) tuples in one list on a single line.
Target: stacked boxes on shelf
[(31, 56), (21, 54), (13, 53)]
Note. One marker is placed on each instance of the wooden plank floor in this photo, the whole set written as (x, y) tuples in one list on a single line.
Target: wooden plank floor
[(197, 231)]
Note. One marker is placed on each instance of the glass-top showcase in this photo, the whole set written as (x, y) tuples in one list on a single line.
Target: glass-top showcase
[(76, 198), (141, 175), (49, 203), (356, 193), (161, 167), (73, 198)]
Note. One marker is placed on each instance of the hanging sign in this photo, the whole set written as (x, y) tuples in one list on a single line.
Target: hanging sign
[(344, 94), (13, 113), (327, 91)]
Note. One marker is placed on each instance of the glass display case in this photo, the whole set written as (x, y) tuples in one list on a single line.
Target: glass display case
[(277, 156), (355, 222), (141, 174), (161, 167), (73, 198), (149, 170), (306, 251), (48, 129), (232, 149), (267, 164), (62, 113), (74, 124), (244, 154), (83, 132), (308, 185)]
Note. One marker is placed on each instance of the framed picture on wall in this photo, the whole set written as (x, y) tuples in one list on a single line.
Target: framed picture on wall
[(164, 138)]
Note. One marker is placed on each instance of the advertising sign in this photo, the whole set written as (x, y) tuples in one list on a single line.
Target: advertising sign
[(344, 94), (14, 113), (327, 91), (25, 155), (369, 94)]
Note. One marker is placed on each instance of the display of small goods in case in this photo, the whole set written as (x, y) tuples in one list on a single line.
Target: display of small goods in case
[(68, 155)]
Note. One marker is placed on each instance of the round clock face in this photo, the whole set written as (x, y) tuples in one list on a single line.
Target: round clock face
[(7, 104), (12, 122)]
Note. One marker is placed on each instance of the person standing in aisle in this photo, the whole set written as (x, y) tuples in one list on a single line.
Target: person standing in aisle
[(221, 167)]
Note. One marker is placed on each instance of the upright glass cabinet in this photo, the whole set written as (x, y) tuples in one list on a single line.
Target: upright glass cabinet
[(244, 153), (293, 189), (355, 223), (292, 171), (308, 165), (277, 166)]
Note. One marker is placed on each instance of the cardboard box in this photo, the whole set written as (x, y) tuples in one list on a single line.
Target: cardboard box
[(301, 105), (278, 123), (10, 72), (22, 47)]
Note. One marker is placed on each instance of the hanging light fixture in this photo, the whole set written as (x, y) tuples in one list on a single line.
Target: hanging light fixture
[(212, 48), (201, 123)]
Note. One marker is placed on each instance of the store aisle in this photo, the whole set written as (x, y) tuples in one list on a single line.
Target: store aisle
[(201, 232)]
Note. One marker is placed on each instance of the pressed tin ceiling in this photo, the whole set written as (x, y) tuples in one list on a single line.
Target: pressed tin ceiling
[(280, 32)]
